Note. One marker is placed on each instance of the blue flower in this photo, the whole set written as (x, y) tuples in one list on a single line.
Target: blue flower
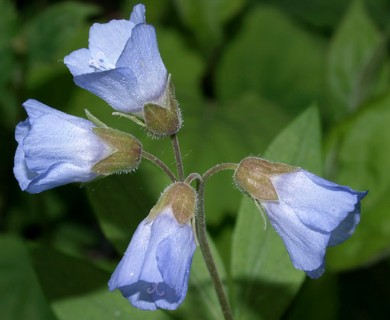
[(155, 269), (310, 215), (122, 65), (55, 148)]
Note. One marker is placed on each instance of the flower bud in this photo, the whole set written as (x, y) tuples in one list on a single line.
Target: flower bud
[(252, 176), (127, 154), (163, 120), (181, 197)]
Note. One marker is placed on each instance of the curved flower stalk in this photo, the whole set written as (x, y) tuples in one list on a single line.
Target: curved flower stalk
[(309, 213), (122, 64), (156, 266), (55, 148)]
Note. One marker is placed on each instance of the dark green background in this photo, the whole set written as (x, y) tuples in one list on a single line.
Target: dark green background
[(299, 81)]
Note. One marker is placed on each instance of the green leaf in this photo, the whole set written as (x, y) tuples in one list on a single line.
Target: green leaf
[(206, 18), (20, 294), (300, 143), (120, 203), (50, 30), (319, 299), (78, 289), (276, 59), (356, 62), (362, 157), (264, 277), (8, 66)]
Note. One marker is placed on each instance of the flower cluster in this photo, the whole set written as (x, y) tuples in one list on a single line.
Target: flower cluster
[(123, 67)]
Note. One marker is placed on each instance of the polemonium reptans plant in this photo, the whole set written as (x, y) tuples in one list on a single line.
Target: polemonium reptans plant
[(123, 66)]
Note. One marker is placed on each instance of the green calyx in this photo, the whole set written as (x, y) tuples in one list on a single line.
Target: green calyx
[(163, 120), (181, 197), (126, 155), (253, 176)]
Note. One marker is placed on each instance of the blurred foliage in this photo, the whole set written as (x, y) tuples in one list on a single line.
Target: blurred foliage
[(246, 73)]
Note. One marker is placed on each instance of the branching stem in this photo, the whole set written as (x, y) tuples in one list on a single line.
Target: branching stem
[(159, 164), (178, 158)]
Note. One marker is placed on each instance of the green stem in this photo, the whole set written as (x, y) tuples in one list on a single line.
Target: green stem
[(217, 168), (201, 231), (178, 158), (159, 164), (208, 257)]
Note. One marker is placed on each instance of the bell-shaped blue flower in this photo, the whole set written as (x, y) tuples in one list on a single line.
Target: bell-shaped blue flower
[(122, 64), (308, 212), (154, 272), (312, 214), (55, 148)]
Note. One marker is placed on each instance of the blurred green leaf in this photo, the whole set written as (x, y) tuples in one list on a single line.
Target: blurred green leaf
[(78, 289), (120, 203), (300, 143), (362, 158), (318, 299), (20, 294), (265, 279), (58, 24), (206, 18), (320, 13), (9, 69), (276, 59), (356, 62)]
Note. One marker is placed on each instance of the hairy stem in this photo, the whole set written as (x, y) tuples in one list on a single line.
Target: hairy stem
[(201, 231), (178, 159), (159, 164), (208, 257)]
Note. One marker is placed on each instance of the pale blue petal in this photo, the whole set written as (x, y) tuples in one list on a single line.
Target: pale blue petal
[(316, 205), (138, 14), (129, 269), (348, 225), (78, 62), (315, 274), (142, 56), (55, 149), (22, 174), (147, 287), (174, 257), (118, 87), (305, 246), (36, 109), (59, 174), (109, 38), (51, 140)]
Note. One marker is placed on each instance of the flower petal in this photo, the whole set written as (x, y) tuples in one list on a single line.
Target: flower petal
[(118, 87), (138, 14), (78, 62), (141, 55), (51, 139), (346, 228), (36, 109), (174, 257), (129, 269), (320, 206), (55, 148), (305, 246), (109, 38), (139, 276)]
